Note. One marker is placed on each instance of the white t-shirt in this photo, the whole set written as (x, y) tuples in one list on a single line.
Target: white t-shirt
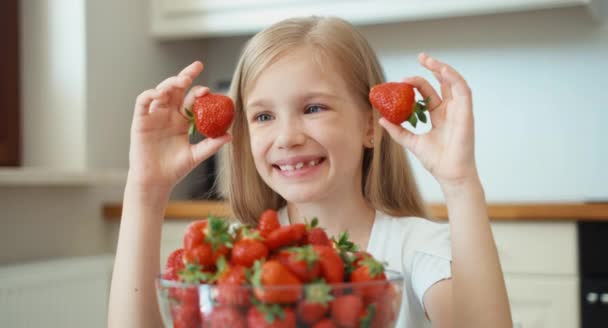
[(416, 247)]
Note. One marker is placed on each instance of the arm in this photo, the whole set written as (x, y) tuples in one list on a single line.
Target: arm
[(476, 295), (160, 155)]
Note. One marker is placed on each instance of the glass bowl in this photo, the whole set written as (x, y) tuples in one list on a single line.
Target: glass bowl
[(366, 304)]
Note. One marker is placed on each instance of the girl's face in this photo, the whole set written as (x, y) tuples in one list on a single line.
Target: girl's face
[(307, 130)]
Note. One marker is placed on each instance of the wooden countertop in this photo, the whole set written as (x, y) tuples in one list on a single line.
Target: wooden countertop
[(188, 210)]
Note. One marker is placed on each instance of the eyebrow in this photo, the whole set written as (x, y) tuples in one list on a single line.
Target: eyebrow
[(309, 95)]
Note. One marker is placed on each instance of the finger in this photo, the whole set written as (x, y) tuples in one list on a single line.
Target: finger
[(458, 85), (449, 76), (195, 92), (426, 90), (398, 133), (434, 67), (174, 82), (160, 101), (208, 146), (192, 70), (143, 101)]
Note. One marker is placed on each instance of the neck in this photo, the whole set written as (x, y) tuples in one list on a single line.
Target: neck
[(353, 214)]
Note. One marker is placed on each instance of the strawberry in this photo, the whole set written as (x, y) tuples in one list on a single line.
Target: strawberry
[(184, 307), (175, 264), (346, 310), (270, 316), (224, 316), (316, 235), (211, 115), (370, 271), (325, 323), (269, 221), (271, 274), (286, 236), (379, 313), (205, 241), (397, 102), (231, 281), (301, 261), (332, 266), (248, 249), (315, 304)]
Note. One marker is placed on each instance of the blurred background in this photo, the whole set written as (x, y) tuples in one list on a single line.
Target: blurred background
[(71, 71)]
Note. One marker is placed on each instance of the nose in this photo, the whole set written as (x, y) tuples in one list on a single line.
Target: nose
[(290, 134)]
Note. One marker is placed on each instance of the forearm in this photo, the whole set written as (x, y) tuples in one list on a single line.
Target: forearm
[(479, 293), (132, 301)]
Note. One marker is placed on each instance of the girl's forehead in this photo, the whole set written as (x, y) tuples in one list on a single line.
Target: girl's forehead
[(297, 73)]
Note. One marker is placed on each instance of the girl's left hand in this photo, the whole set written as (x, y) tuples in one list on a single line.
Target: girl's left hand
[(447, 151)]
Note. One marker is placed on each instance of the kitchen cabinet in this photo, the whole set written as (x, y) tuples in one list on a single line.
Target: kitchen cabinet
[(9, 86), (175, 19), (539, 261)]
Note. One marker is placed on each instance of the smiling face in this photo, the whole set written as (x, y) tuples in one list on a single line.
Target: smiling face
[(307, 131)]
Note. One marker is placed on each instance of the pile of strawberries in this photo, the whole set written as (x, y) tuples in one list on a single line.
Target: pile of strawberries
[(276, 276)]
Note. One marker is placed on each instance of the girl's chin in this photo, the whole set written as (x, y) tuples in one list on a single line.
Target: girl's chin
[(300, 195)]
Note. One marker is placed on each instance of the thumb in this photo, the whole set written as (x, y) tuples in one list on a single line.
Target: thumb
[(208, 147), (401, 135)]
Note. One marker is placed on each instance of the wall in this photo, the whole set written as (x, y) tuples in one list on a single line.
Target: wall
[(84, 63), (538, 80)]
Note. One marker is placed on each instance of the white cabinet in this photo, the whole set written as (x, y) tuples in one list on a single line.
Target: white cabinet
[(543, 301), (540, 265), (201, 18)]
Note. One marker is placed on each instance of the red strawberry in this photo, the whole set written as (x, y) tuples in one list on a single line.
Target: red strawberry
[(286, 236), (175, 264), (248, 249), (223, 317), (301, 261), (315, 304), (332, 267), (211, 115), (370, 271), (397, 102), (269, 221), (271, 316), (205, 241), (184, 307), (230, 284), (325, 323), (346, 310), (316, 235), (273, 273)]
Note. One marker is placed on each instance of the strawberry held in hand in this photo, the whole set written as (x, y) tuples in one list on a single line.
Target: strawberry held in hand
[(397, 103), (211, 115)]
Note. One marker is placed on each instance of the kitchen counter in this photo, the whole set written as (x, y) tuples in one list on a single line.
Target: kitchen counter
[(562, 211)]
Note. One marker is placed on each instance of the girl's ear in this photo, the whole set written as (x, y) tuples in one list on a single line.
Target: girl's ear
[(368, 140)]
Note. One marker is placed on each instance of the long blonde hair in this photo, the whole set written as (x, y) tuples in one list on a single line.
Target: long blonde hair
[(387, 183)]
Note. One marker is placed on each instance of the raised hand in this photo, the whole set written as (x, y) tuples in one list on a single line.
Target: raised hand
[(161, 154), (447, 151)]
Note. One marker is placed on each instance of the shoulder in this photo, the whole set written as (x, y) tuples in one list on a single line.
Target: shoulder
[(415, 233)]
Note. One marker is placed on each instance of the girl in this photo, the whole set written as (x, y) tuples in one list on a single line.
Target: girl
[(306, 140)]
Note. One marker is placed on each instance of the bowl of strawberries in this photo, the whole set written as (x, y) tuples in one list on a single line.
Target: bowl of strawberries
[(274, 276)]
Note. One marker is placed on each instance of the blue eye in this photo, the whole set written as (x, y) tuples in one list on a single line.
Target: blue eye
[(314, 109), (263, 117)]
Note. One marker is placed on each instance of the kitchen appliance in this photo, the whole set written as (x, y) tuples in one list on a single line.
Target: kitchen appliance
[(593, 267)]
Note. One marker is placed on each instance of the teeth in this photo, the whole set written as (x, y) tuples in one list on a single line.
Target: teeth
[(298, 165), (286, 168)]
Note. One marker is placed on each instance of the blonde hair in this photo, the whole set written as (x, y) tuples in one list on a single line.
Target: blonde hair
[(387, 183)]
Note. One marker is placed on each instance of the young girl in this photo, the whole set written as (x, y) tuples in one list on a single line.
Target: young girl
[(306, 140)]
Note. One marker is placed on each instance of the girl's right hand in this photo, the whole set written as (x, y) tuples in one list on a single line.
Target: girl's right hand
[(160, 154)]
